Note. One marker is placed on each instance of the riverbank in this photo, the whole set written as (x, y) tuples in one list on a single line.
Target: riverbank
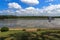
[(16, 30), (52, 34)]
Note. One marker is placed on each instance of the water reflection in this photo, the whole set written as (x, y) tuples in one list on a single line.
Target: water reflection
[(29, 23)]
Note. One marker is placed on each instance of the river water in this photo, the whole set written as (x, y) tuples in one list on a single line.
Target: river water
[(30, 23)]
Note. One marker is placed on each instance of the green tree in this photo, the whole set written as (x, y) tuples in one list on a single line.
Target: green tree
[(4, 29)]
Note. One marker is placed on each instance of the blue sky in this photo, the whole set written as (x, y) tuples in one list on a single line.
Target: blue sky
[(30, 7)]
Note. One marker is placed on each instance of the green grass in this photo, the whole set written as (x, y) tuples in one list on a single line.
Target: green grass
[(48, 34), (5, 34)]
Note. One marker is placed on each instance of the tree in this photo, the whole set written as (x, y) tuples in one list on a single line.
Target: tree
[(4, 29)]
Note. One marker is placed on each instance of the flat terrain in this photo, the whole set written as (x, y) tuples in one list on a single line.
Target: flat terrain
[(43, 33), (17, 30)]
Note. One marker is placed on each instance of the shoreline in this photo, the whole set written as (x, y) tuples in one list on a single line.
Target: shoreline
[(34, 29)]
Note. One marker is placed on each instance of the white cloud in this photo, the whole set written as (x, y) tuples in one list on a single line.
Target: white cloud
[(51, 10), (30, 8), (7, 12), (53, 7), (32, 2), (30, 11), (14, 5)]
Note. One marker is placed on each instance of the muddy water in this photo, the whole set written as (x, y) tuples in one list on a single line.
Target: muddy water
[(30, 23)]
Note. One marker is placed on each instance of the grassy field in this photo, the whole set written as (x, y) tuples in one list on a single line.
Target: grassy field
[(5, 34), (42, 34)]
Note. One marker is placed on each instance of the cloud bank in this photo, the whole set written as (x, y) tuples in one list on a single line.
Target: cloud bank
[(32, 2), (51, 10), (14, 5)]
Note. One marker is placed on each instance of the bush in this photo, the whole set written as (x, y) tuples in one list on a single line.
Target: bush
[(22, 35), (38, 29), (24, 30), (4, 29)]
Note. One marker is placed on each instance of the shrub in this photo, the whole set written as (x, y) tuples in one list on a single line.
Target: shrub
[(38, 29), (22, 36), (24, 30), (4, 29)]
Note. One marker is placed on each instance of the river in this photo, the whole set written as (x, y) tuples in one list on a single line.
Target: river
[(30, 23)]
